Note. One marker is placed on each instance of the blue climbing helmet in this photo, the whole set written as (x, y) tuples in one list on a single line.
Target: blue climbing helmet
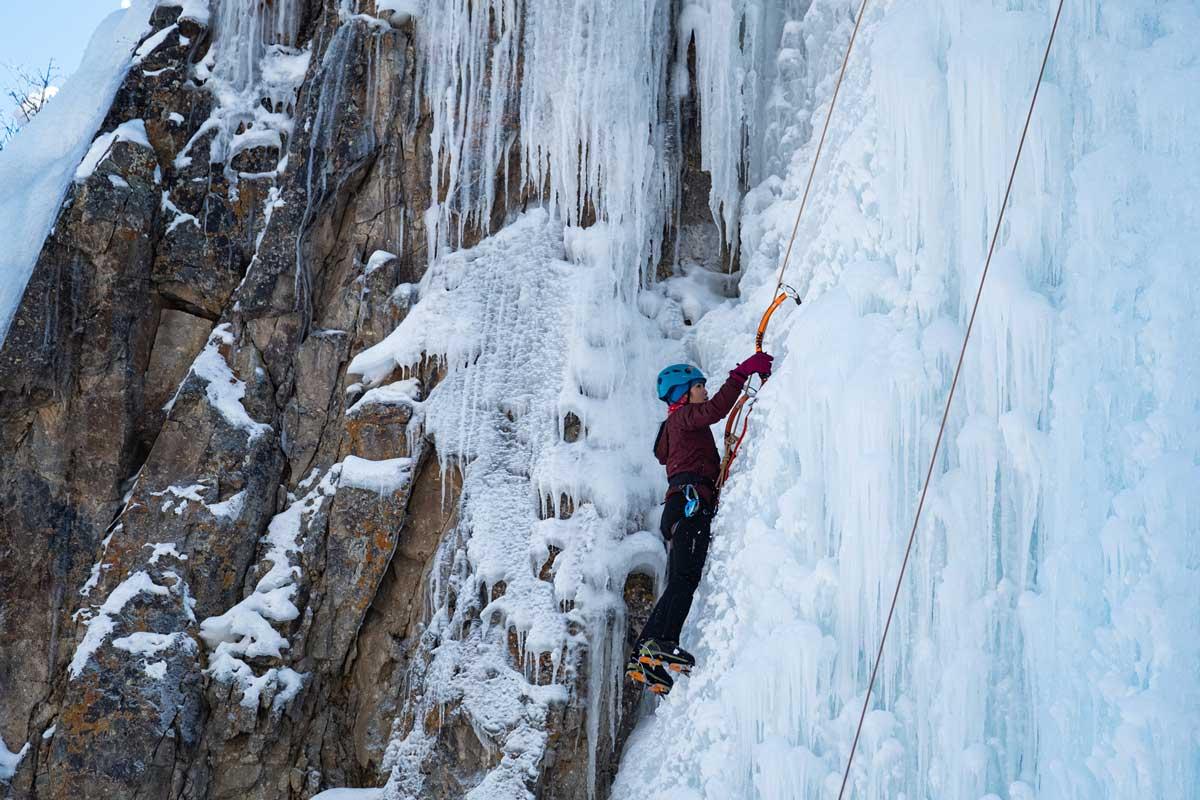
[(675, 380)]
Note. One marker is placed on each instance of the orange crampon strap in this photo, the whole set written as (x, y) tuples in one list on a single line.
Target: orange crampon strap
[(740, 413)]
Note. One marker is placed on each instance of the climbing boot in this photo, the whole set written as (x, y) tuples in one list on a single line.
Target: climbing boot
[(656, 679), (663, 653)]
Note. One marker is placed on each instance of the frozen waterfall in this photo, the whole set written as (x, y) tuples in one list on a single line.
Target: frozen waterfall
[(1046, 643)]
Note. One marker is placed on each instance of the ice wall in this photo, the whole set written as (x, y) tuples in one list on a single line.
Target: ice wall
[(1046, 640), (578, 102), (549, 318), (568, 98), (514, 320)]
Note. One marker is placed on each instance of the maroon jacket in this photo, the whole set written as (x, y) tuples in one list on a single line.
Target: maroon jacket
[(685, 443)]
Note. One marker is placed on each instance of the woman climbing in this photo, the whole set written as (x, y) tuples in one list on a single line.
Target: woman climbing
[(686, 447)]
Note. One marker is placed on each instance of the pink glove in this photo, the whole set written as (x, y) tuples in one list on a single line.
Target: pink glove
[(759, 362)]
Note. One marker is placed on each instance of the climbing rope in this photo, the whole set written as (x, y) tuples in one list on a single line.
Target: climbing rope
[(949, 398), (740, 414)]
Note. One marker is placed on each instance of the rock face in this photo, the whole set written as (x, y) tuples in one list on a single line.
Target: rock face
[(213, 570)]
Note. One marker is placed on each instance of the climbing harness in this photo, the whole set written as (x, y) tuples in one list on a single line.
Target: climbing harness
[(741, 409), (740, 413), (949, 398)]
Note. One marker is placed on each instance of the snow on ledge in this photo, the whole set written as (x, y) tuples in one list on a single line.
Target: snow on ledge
[(153, 43), (193, 10), (400, 393), (398, 12), (247, 630), (104, 623), (350, 794), (383, 477), (9, 761), (164, 549), (144, 643), (132, 131), (225, 391), (377, 260)]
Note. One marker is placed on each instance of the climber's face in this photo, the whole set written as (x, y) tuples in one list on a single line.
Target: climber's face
[(698, 394)]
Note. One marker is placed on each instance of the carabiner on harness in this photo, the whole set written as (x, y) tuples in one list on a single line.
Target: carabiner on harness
[(693, 500)]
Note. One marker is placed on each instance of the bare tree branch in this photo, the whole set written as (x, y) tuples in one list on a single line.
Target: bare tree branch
[(30, 91)]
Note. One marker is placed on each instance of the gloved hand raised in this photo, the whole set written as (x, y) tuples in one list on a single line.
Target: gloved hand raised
[(759, 362)]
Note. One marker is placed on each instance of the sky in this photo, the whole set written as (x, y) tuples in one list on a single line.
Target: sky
[(33, 31)]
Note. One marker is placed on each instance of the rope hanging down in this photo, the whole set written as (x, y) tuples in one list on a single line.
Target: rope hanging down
[(949, 399), (745, 404)]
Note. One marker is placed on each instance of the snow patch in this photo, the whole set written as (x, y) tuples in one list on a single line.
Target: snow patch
[(180, 218), (153, 43), (143, 643), (9, 761), (224, 391), (383, 477), (103, 624), (400, 393), (377, 260), (350, 794), (194, 10), (398, 12), (131, 131), (230, 509), (183, 494), (247, 630), (164, 549), (99, 566)]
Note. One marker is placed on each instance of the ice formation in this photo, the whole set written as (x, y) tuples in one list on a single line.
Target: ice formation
[(1038, 626), (1046, 641), (1049, 630), (548, 318), (253, 71), (514, 320)]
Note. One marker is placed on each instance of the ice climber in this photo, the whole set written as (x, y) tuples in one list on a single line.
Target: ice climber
[(686, 447)]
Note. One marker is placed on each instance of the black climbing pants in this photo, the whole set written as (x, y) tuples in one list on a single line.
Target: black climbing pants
[(688, 548)]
